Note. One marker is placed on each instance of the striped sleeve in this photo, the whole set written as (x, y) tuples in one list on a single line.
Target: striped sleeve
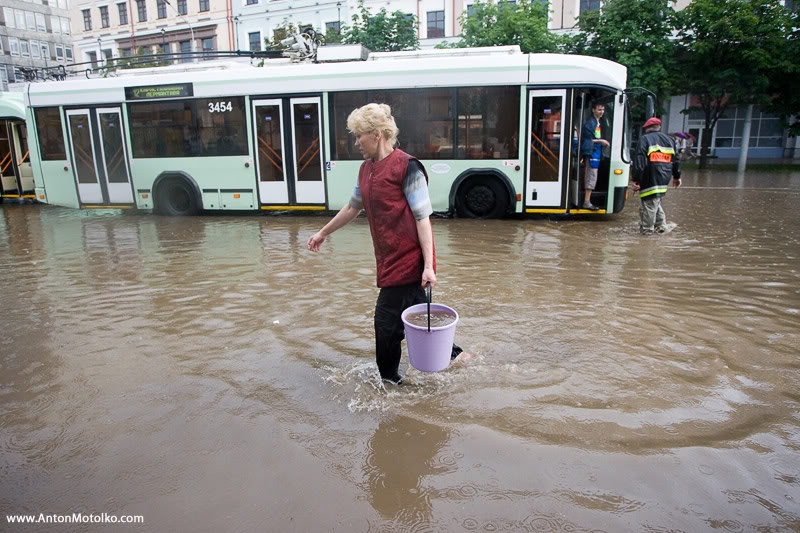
[(415, 188)]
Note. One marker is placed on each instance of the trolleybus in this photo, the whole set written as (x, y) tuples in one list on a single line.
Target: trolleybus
[(496, 129)]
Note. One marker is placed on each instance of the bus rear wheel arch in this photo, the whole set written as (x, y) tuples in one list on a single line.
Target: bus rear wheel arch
[(176, 195), (482, 196)]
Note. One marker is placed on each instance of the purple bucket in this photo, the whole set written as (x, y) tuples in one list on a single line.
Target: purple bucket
[(429, 351)]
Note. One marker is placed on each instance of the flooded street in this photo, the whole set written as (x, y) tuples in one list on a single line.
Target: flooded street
[(211, 374)]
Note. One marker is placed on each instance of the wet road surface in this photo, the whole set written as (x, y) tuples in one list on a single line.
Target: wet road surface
[(211, 374)]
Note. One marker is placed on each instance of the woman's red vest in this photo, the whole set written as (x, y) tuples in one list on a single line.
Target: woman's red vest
[(398, 255)]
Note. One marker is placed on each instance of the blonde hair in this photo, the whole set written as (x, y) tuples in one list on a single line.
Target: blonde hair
[(374, 117)]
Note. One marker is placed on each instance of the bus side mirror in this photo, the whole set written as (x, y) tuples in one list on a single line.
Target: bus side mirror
[(650, 110)]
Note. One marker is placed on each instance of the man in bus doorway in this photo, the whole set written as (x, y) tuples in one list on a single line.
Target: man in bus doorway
[(592, 145), (655, 162), (392, 189)]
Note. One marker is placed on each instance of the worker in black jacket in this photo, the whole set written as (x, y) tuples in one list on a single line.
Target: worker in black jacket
[(654, 163)]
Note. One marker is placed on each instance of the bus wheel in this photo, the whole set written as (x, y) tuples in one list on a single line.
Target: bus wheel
[(175, 198), (481, 197)]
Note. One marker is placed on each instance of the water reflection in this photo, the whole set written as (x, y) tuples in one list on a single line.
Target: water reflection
[(400, 456)]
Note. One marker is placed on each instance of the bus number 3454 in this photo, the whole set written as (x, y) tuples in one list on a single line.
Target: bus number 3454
[(219, 107)]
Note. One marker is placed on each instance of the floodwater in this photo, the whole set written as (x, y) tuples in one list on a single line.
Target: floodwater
[(211, 374)]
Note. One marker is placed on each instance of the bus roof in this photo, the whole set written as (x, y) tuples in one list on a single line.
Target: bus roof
[(12, 106), (389, 70)]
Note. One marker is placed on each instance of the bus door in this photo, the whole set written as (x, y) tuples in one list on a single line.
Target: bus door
[(545, 188), (288, 136), (97, 148), (8, 170)]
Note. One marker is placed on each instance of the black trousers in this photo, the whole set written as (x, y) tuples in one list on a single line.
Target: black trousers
[(389, 330)]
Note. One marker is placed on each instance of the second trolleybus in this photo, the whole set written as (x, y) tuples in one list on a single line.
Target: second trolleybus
[(497, 130)]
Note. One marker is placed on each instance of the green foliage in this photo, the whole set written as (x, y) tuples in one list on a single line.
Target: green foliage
[(382, 32), (634, 33), (140, 59), (733, 52), (785, 98), (504, 23), (282, 31), (333, 37)]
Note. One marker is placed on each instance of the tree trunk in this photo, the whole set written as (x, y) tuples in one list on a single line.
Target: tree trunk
[(705, 147)]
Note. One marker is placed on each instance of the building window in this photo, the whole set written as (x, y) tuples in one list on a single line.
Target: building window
[(333, 27), (40, 22), (8, 14), (182, 7), (31, 18), (162, 9), (435, 24), (35, 50), (186, 51), (59, 53), (252, 2), (87, 19), (13, 46), (203, 5), (104, 16), (123, 14), (141, 7), (208, 45), (68, 53), (24, 48), (19, 16), (65, 29), (255, 41), (590, 5), (45, 51)]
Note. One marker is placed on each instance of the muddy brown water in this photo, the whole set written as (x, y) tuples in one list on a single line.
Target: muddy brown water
[(211, 374)]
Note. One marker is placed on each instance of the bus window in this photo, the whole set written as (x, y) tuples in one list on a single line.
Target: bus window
[(425, 120), (188, 128), (51, 136), (343, 143), (488, 120)]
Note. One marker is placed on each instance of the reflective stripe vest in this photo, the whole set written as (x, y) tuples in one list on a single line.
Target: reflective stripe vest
[(655, 164)]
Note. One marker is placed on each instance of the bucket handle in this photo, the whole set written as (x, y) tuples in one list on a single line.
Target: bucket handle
[(430, 294)]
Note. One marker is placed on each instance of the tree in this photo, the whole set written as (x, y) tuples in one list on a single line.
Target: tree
[(726, 53), (504, 23), (785, 100), (282, 31), (383, 32), (634, 33)]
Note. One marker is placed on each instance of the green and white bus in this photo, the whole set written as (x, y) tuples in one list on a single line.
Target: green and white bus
[(16, 174), (496, 129)]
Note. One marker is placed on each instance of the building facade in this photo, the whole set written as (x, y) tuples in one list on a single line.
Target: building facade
[(34, 34)]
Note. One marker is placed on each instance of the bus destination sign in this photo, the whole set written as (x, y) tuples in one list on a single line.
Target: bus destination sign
[(173, 90)]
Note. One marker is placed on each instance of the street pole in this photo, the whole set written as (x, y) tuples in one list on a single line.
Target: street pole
[(193, 49), (236, 25), (99, 51)]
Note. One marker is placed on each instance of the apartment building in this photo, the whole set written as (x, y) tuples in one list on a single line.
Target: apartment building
[(34, 34)]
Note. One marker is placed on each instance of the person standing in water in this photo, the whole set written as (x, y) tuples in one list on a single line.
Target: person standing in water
[(392, 189), (654, 164)]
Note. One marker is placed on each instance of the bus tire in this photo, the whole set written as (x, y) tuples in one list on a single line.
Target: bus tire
[(175, 197), (482, 197)]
